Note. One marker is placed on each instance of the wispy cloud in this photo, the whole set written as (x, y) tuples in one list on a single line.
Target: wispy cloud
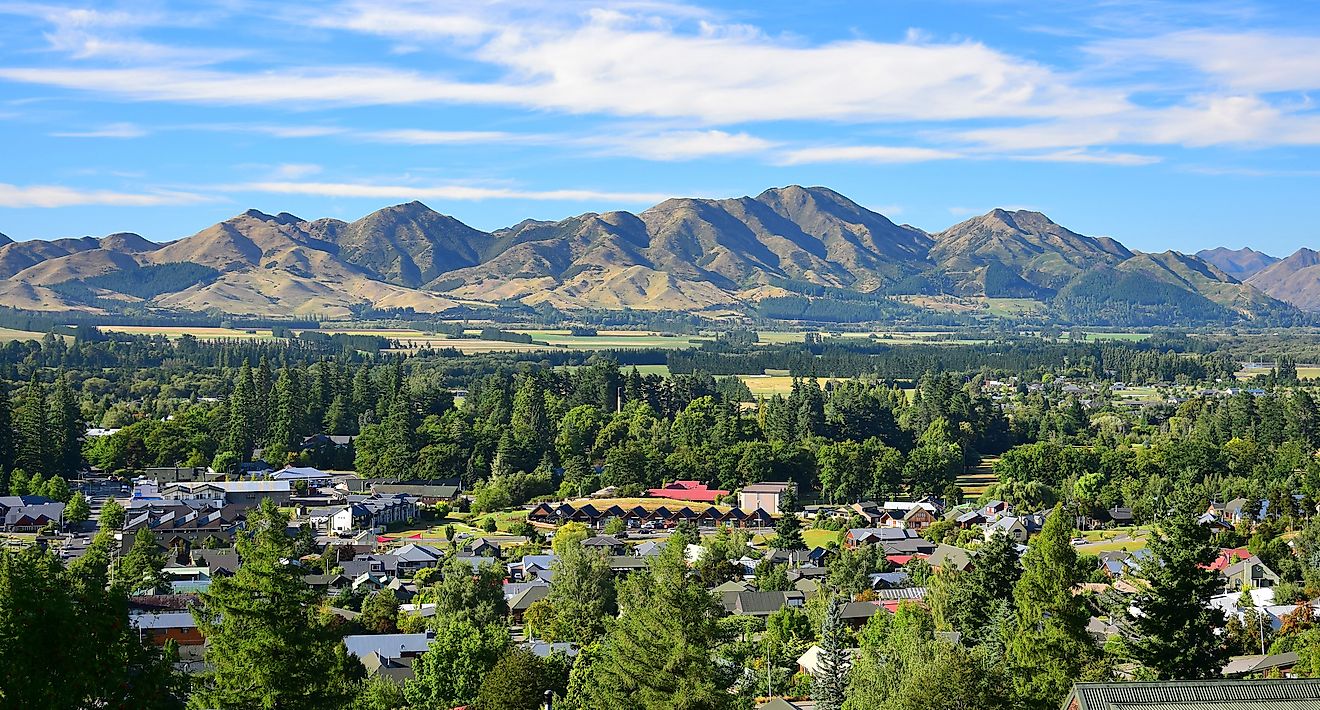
[(681, 145), (20, 196), (864, 154), (442, 192), (417, 136), (113, 130)]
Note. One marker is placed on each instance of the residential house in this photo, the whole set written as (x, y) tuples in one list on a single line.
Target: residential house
[(694, 491), (412, 557), (765, 496), (918, 518), (30, 513), (245, 493), (157, 627), (1014, 527), (949, 557), (1259, 665), (313, 477), (761, 604), (424, 493), (1251, 572), (524, 599)]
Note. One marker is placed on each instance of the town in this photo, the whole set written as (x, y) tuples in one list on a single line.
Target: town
[(845, 545)]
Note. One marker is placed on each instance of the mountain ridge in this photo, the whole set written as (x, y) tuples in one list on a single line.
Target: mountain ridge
[(681, 254)]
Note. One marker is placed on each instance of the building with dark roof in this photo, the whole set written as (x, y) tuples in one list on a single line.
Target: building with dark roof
[(1287, 694)]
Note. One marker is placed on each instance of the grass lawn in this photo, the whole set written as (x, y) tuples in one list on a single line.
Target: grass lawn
[(1130, 539), (1013, 306), (976, 481), (819, 537)]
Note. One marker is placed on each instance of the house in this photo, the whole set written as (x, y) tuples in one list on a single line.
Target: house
[(1012, 526), (157, 627), (523, 600), (873, 514), (481, 547), (765, 496), (1251, 572), (413, 557), (245, 493), (175, 474), (918, 518), (390, 652), (1244, 666), (894, 541), (30, 513), (424, 493), (694, 491), (949, 557), (1195, 695), (761, 604), (604, 543), (809, 661), (372, 512), (313, 477)]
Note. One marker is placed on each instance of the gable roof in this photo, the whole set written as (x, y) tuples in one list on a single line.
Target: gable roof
[(1195, 695)]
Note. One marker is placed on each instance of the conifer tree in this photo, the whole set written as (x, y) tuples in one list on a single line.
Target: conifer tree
[(1049, 645), (65, 429), (1176, 625), (242, 415), (32, 452), (829, 687), (264, 640), (7, 450), (788, 533), (142, 567)]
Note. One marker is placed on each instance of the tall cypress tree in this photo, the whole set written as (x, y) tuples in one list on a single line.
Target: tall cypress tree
[(829, 688), (7, 451), (1176, 625), (1049, 645), (32, 452), (66, 429), (242, 415)]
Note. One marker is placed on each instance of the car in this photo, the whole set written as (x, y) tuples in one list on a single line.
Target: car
[(1079, 541)]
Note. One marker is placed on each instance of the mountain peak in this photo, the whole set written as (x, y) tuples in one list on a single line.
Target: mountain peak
[(5, 240), (128, 242)]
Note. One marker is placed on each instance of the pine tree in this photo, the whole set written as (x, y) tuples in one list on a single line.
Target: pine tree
[(32, 452), (242, 415), (1176, 625), (829, 687), (141, 568), (669, 622), (7, 451), (264, 641), (1049, 645), (788, 533), (66, 429), (262, 385)]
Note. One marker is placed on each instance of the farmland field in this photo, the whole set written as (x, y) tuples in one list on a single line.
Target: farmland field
[(174, 332), (768, 385), (7, 335), (611, 339)]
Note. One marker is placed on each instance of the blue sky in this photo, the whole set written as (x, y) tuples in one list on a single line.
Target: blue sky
[(1164, 124)]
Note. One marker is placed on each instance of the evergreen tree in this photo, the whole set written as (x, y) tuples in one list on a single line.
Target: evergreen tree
[(518, 681), (668, 622), (581, 594), (830, 685), (8, 454), (65, 429), (32, 451), (242, 415), (1049, 645), (788, 533), (1176, 625), (141, 568), (264, 641)]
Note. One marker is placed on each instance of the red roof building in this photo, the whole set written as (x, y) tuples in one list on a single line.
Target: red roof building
[(1228, 557), (687, 490)]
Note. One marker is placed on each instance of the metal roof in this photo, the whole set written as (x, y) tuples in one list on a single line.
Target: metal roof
[(1196, 695)]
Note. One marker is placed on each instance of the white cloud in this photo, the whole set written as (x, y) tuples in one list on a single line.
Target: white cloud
[(864, 154), (1251, 61), (625, 64), (443, 192), (19, 196), (294, 171), (416, 136), (1078, 155), (682, 145), (113, 130)]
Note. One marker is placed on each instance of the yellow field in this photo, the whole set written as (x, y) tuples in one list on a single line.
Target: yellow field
[(767, 385), (7, 335), (1303, 373), (174, 332)]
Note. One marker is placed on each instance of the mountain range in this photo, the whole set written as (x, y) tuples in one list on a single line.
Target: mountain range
[(711, 255)]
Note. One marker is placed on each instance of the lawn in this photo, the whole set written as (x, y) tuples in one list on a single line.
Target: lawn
[(1013, 306), (819, 537), (976, 481), (1130, 539)]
